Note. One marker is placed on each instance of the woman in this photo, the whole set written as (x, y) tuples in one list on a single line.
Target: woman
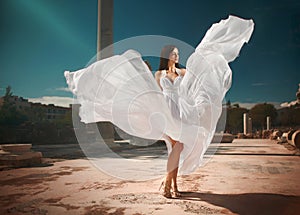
[(121, 89), (168, 78)]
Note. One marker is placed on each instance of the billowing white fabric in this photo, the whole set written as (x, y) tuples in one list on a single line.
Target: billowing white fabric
[(121, 89)]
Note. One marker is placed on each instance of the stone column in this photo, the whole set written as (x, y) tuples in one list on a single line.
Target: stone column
[(105, 45), (105, 29), (246, 123), (268, 123), (249, 126), (298, 95)]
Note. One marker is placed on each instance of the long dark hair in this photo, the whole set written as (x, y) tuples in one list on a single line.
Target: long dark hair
[(164, 57)]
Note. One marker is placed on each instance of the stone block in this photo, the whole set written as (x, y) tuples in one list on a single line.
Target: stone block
[(19, 155), (296, 139), (16, 148), (222, 138), (21, 160)]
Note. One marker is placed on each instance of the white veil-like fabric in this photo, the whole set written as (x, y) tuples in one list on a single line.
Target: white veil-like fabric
[(121, 89)]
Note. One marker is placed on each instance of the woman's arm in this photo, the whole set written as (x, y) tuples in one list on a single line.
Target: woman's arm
[(157, 78)]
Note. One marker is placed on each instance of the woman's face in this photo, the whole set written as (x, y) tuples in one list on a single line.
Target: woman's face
[(174, 56)]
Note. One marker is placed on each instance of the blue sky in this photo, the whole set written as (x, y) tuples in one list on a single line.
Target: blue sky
[(42, 38)]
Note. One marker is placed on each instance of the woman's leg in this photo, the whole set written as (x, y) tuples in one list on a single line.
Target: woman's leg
[(173, 159), (175, 188), (172, 167), (175, 172)]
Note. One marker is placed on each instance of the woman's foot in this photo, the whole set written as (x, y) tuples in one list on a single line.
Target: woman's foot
[(167, 188), (176, 192)]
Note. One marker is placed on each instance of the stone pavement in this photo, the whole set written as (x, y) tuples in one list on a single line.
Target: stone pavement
[(248, 176)]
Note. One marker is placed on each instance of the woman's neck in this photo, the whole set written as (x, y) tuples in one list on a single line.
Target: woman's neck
[(171, 66)]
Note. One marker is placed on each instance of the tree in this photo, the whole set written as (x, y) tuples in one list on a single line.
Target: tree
[(8, 93), (228, 104), (289, 117), (234, 122), (66, 121), (259, 114), (9, 115), (37, 113)]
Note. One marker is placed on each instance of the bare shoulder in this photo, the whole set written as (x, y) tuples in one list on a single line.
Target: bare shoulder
[(157, 74), (183, 71)]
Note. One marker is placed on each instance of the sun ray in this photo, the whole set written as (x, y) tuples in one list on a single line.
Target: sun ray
[(47, 16)]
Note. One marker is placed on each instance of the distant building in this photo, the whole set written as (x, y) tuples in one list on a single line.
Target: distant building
[(19, 102), (51, 112), (47, 112), (56, 112)]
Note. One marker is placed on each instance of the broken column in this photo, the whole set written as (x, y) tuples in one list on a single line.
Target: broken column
[(296, 139)]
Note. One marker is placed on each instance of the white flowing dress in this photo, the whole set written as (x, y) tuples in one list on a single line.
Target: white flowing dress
[(121, 89), (171, 91)]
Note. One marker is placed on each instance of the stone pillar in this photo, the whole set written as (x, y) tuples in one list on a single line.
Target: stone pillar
[(104, 44), (249, 126), (298, 95), (268, 123), (246, 123), (105, 29)]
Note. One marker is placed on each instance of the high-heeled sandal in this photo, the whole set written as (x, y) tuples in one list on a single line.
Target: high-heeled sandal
[(167, 188), (176, 191)]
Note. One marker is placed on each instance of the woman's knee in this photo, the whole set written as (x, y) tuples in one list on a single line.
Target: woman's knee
[(180, 146)]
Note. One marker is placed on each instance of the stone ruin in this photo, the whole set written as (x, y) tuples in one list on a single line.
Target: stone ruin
[(18, 155)]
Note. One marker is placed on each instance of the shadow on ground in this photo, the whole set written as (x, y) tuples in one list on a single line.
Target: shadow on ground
[(250, 203)]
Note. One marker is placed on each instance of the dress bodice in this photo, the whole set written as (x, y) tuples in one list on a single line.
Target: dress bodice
[(168, 85), (170, 91)]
